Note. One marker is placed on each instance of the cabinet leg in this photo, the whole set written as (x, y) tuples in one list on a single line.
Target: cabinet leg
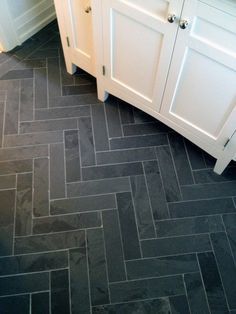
[(221, 164), (70, 67), (102, 94)]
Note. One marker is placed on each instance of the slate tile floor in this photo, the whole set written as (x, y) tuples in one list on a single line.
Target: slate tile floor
[(104, 209)]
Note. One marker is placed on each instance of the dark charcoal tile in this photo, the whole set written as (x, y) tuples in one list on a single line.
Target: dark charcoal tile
[(160, 306), (49, 242), (212, 282), (33, 139), (129, 232), (113, 246), (176, 245), (57, 178), (196, 294), (72, 156), (31, 64), (7, 182), (112, 171), (86, 142), (54, 82), (196, 156), (180, 159), (185, 226), (23, 219), (126, 155), (208, 176), (44, 53), (97, 267), (155, 190), (12, 167), (74, 100), (113, 117), (146, 289), (18, 153), (41, 187), (26, 100), (17, 74), (163, 266), (63, 112), (228, 273), (170, 182), (7, 208), (32, 263), (179, 305), (126, 112), (144, 128), (79, 285), (66, 78), (49, 125), (201, 208), (95, 187), (142, 117), (83, 78), (230, 224), (15, 304), (83, 204), (209, 190), (12, 108), (142, 207), (139, 141), (79, 89), (60, 303), (66, 222), (100, 127), (40, 89), (24, 283), (40, 303), (1, 121)]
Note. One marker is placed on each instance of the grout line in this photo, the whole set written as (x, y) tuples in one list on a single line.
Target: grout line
[(19, 106), (186, 292), (69, 280), (14, 220), (88, 270), (94, 144)]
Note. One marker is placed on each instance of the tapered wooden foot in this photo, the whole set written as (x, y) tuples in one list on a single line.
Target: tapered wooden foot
[(102, 94)]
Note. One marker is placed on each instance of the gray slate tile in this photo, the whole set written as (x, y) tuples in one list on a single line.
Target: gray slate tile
[(73, 100), (208, 176), (16, 166), (12, 108), (100, 127), (57, 171), (18, 153), (49, 125), (113, 117), (78, 89), (17, 74), (179, 305), (60, 303), (40, 89), (86, 142), (40, 303), (7, 182), (144, 128), (63, 112), (72, 156), (26, 100), (230, 225), (53, 75), (15, 304)]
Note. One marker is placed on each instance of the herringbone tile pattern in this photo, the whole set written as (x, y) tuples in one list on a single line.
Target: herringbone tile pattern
[(104, 209)]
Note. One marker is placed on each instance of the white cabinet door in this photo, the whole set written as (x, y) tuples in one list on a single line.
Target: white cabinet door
[(138, 43), (200, 94), (78, 20)]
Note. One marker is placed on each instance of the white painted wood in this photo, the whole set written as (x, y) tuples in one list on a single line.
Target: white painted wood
[(200, 92), (138, 43)]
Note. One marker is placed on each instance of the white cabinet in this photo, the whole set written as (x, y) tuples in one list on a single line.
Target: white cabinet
[(75, 23)]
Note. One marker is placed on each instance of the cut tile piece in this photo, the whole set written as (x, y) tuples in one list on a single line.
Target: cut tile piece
[(72, 156), (60, 303), (15, 304), (40, 303), (57, 171)]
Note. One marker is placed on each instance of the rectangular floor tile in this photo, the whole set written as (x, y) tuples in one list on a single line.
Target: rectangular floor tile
[(26, 100), (176, 245), (95, 187), (32, 263), (54, 82), (230, 225), (196, 294), (60, 113), (112, 171), (86, 142), (139, 141), (128, 226), (185, 226), (7, 154), (156, 190), (163, 266), (74, 100), (18, 74), (208, 176), (40, 88), (100, 127), (179, 305), (170, 181), (7, 208), (72, 156), (83, 204), (113, 246), (41, 187), (40, 303), (146, 288), (126, 155), (212, 283), (142, 207), (144, 128), (97, 267), (126, 112), (79, 285), (24, 283), (196, 156), (7, 182), (57, 171), (60, 303), (78, 89), (49, 242), (113, 117), (201, 208), (2, 106), (24, 206), (12, 108), (66, 222), (15, 304), (16, 166)]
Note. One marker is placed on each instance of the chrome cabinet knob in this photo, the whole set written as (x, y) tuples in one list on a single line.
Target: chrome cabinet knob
[(171, 18), (88, 9), (183, 24)]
